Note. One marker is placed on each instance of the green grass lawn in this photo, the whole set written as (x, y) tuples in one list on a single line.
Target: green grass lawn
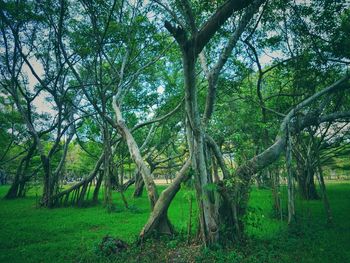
[(31, 234)]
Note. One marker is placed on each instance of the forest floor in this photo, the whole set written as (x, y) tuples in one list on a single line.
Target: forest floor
[(32, 234)]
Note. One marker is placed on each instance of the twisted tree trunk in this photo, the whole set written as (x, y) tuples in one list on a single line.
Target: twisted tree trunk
[(163, 224), (159, 214)]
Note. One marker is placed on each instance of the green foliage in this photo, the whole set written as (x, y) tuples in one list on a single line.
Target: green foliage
[(254, 217), (342, 37), (109, 246)]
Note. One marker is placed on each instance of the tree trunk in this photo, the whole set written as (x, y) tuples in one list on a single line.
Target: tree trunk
[(139, 184), (48, 187), (12, 192), (291, 201), (158, 219), (277, 208), (22, 189), (108, 201), (324, 193), (97, 188), (305, 177), (17, 187), (164, 224), (206, 196)]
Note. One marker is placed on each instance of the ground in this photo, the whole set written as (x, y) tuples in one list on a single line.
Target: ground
[(32, 234)]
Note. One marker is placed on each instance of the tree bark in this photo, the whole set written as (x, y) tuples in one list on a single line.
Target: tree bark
[(88, 180), (97, 187), (158, 218), (163, 224), (139, 184), (108, 201), (323, 191), (136, 156), (306, 183), (207, 198), (290, 180), (17, 188)]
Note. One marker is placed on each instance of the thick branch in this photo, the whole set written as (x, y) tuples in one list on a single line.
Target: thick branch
[(165, 199), (272, 153), (87, 179), (218, 155), (213, 24), (136, 155), (213, 75)]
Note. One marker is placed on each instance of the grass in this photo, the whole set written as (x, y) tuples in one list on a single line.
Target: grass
[(31, 234)]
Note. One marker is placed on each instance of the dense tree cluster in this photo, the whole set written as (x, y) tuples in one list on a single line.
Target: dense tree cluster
[(218, 94)]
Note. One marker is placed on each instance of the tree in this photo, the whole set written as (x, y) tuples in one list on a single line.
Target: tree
[(197, 90)]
